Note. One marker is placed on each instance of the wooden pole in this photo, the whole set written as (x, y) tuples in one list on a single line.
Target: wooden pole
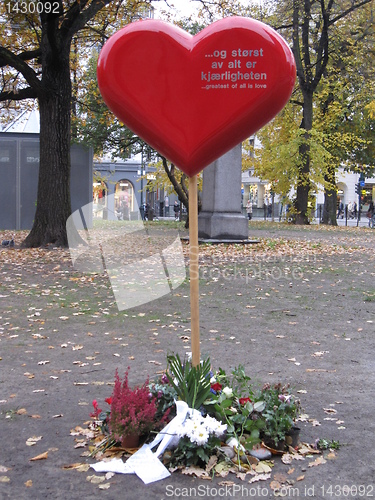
[(194, 269)]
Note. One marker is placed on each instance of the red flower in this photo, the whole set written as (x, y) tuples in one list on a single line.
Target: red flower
[(108, 400), (216, 387), (97, 410), (243, 401)]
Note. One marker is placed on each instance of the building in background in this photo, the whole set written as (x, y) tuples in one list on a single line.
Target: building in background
[(260, 192)]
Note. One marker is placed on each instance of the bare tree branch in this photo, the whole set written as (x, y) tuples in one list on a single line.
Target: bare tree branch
[(27, 93), (7, 58)]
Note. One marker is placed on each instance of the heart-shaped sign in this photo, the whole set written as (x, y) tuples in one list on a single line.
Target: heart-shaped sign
[(193, 98)]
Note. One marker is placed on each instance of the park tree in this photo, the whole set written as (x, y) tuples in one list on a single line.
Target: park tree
[(312, 28), (35, 58), (346, 89)]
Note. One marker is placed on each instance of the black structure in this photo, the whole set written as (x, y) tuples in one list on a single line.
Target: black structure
[(19, 168)]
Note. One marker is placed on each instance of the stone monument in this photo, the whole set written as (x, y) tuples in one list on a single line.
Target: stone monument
[(221, 217)]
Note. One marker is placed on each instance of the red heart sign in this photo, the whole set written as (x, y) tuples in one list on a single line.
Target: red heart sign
[(193, 98)]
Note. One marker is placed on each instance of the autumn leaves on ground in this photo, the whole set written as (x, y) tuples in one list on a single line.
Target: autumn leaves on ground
[(297, 307)]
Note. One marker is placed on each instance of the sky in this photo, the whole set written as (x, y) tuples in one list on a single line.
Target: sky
[(182, 7), (185, 7)]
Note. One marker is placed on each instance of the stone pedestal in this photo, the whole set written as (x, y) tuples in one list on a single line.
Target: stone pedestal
[(221, 217)]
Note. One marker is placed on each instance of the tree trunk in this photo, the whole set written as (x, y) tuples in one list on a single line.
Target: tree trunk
[(303, 182), (53, 206), (330, 198)]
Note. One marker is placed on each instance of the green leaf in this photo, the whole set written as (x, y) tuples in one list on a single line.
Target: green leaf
[(259, 406)]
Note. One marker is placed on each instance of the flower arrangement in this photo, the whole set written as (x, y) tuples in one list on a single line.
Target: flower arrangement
[(133, 412), (191, 383), (223, 409), (200, 438), (280, 411)]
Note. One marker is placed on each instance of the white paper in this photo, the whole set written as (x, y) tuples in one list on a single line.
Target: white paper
[(147, 466), (144, 462), (114, 465)]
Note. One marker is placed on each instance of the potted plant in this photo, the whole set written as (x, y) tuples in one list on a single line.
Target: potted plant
[(231, 401), (133, 412), (281, 409)]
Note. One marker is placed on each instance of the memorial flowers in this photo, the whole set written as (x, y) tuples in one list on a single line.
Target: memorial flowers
[(223, 410), (199, 438), (281, 410), (133, 412)]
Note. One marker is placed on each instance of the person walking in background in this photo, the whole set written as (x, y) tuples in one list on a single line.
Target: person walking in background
[(249, 209), (371, 214), (340, 210), (350, 210), (176, 209)]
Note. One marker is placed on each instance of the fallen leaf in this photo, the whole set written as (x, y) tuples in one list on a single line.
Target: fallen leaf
[(315, 423), (260, 477), (281, 478), (3, 468), (21, 411), (42, 456), (287, 458), (317, 461), (95, 479), (196, 471), (275, 485), (211, 463), (4, 479), (76, 465), (306, 449), (300, 478), (104, 486), (241, 476), (29, 483), (329, 410), (320, 370), (33, 440), (262, 468)]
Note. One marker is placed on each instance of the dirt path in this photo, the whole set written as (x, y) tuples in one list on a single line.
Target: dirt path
[(299, 309)]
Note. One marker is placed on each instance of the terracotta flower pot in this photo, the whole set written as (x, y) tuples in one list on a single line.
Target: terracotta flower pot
[(130, 441), (275, 449)]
